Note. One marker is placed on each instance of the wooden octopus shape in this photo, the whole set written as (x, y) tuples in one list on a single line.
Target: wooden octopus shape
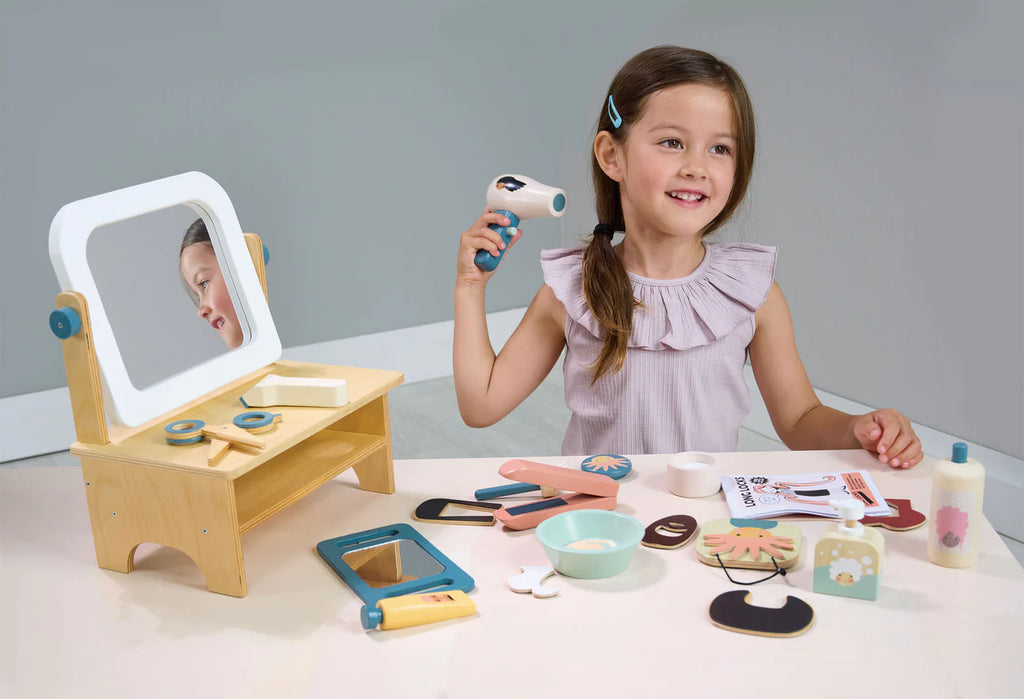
[(750, 540)]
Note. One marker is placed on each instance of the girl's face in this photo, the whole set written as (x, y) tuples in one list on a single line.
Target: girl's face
[(677, 165), (201, 271)]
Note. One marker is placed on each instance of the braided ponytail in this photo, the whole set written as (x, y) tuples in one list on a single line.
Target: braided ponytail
[(609, 296)]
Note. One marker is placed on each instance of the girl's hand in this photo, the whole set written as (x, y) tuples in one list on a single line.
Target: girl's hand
[(480, 237), (888, 434)]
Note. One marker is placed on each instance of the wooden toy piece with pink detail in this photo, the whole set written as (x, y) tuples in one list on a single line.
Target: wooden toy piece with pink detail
[(749, 543), (580, 490)]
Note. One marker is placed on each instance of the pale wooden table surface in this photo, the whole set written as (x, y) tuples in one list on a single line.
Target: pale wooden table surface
[(68, 628)]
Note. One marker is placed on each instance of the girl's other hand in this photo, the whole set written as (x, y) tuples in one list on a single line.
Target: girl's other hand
[(480, 237), (888, 434)]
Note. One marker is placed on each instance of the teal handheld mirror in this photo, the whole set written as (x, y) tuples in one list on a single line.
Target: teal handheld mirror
[(389, 562)]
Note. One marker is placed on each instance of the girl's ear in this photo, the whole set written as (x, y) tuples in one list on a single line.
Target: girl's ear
[(609, 155)]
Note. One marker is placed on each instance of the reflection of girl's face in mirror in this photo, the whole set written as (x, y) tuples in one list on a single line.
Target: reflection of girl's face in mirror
[(202, 275)]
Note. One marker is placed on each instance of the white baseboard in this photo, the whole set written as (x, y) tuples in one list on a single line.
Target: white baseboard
[(41, 423), (35, 423)]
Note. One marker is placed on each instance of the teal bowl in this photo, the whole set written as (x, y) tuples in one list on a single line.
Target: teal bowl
[(590, 543)]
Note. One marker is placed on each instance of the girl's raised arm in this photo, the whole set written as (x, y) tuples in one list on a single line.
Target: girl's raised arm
[(799, 418), (489, 387)]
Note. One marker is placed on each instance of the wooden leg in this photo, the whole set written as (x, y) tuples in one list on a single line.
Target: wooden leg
[(376, 471), (130, 504)]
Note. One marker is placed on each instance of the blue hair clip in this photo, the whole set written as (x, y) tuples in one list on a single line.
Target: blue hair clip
[(613, 113)]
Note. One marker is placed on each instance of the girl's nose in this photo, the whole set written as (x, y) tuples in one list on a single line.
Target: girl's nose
[(694, 167), (204, 310)]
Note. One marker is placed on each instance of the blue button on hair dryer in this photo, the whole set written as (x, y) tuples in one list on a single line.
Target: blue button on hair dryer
[(518, 198)]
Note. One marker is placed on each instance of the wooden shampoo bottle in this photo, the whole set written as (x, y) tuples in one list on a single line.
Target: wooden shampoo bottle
[(958, 489)]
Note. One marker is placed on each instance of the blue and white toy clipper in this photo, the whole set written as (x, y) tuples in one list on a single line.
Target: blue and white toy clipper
[(518, 198)]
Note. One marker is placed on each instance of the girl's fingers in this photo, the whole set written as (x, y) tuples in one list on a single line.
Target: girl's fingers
[(909, 455), (911, 462), (890, 430), (484, 239), (867, 431), (895, 453), (489, 217), (891, 436)]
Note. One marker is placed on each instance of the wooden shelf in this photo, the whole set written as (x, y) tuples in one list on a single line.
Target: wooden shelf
[(290, 476)]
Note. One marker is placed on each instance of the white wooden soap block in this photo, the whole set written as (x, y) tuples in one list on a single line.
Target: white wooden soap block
[(297, 390)]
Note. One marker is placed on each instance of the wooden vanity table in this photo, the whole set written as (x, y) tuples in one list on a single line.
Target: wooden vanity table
[(140, 488)]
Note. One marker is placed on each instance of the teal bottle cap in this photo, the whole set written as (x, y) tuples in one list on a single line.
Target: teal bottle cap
[(960, 453)]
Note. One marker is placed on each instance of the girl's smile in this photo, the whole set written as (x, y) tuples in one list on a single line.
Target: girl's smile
[(688, 198)]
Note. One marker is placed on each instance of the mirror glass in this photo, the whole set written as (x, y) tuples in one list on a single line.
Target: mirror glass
[(169, 324), (399, 560), (151, 289)]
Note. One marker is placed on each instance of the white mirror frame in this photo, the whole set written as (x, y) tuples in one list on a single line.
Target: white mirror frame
[(69, 235)]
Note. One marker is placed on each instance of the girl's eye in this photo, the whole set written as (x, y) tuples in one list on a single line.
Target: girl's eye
[(672, 143), (203, 284), (720, 149)]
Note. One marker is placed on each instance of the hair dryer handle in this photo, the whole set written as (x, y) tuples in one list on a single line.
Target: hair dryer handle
[(484, 259)]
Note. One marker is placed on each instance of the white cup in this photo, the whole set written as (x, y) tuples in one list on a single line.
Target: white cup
[(692, 474)]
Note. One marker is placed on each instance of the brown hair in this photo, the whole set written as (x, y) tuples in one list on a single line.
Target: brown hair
[(606, 285), (195, 234)]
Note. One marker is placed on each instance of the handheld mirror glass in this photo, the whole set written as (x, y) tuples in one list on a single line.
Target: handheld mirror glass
[(391, 561), (169, 323)]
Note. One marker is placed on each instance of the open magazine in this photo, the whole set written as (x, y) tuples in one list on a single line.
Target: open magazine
[(764, 497)]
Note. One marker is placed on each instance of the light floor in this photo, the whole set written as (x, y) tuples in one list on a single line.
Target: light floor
[(425, 424)]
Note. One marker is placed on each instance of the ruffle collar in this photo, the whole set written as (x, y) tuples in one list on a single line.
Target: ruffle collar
[(729, 285)]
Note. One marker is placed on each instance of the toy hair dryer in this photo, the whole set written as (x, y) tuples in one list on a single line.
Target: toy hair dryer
[(518, 198)]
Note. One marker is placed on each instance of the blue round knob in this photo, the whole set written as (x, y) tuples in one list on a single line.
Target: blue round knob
[(266, 255), (370, 617), (65, 322)]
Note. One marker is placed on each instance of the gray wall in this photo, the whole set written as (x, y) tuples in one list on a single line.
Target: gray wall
[(358, 140)]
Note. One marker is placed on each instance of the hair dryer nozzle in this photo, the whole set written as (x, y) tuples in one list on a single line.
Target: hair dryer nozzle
[(525, 197)]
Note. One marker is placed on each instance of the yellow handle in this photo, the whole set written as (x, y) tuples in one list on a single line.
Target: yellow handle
[(425, 608)]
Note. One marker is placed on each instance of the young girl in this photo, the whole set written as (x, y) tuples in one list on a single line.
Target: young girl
[(657, 329), (202, 275)]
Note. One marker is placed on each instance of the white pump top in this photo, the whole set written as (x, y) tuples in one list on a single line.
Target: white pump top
[(851, 511)]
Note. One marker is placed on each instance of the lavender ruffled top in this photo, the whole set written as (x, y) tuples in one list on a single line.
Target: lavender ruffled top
[(682, 386)]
